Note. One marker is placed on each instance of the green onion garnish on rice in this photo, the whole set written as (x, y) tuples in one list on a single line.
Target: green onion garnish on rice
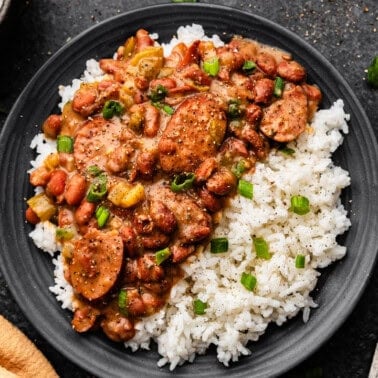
[(249, 281), (300, 261), (199, 307), (219, 245), (299, 205), (261, 248), (245, 189)]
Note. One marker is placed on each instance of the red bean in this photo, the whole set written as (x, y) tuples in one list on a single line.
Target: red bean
[(57, 182), (75, 189)]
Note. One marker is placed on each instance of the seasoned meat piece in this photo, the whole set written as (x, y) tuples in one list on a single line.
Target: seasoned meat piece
[(130, 241), (163, 218), (146, 164), (286, 118), (192, 134), (181, 252), (256, 140), (135, 304), (90, 97), (246, 48), (206, 169), (267, 63), (96, 263), (263, 91), (209, 200), (291, 71), (143, 269), (253, 114), (314, 96), (233, 147), (117, 327), (95, 141), (156, 240), (194, 224), (84, 318), (222, 182)]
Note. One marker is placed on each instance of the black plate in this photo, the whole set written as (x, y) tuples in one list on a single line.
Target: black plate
[(29, 272)]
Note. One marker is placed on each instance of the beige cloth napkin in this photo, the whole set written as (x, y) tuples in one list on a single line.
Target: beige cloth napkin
[(19, 357)]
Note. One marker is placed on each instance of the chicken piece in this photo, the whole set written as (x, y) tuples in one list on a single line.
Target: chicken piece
[(96, 263), (192, 135), (193, 223), (286, 119)]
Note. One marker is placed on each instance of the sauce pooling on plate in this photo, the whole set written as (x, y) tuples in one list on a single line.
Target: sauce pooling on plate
[(147, 158)]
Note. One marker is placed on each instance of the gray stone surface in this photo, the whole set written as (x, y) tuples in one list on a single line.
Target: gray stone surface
[(344, 31)]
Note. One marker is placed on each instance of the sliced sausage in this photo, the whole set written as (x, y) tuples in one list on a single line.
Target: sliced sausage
[(192, 134), (96, 263), (94, 141)]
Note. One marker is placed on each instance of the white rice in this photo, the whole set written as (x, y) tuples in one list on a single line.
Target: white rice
[(234, 315)]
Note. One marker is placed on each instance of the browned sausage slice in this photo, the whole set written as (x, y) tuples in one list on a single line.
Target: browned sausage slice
[(95, 141), (96, 263), (192, 135)]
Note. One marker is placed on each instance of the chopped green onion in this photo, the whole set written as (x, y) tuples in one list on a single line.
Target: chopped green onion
[(300, 261), (372, 72), (182, 181), (249, 66), (168, 109), (64, 233), (248, 281), (219, 245), (94, 170), (64, 143), (299, 205), (211, 66), (261, 248), (102, 216), (199, 307), (234, 109), (239, 168), (278, 86), (158, 93), (97, 190), (123, 301), (245, 189), (112, 108), (162, 255)]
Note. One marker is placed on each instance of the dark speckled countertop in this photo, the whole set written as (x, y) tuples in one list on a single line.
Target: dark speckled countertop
[(344, 31)]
